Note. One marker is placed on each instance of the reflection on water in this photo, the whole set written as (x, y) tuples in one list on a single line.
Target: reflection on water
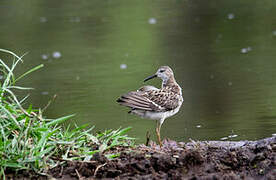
[(222, 53)]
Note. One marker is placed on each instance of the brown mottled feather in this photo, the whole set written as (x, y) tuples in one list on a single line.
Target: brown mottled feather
[(159, 100)]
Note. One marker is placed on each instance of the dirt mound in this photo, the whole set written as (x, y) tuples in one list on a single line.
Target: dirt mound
[(194, 160)]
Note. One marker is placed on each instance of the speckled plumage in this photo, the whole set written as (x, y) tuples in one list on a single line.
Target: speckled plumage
[(153, 103)]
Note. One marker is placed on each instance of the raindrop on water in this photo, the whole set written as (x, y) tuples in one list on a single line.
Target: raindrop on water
[(198, 126), (230, 83), (274, 33)]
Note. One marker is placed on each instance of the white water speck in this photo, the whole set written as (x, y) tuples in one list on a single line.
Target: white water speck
[(230, 83), (56, 54), (198, 126), (43, 19), (45, 93), (274, 33), (197, 19), (231, 16), (152, 21), (212, 76), (44, 56), (233, 136), (223, 138), (75, 19), (244, 50), (77, 78), (123, 66)]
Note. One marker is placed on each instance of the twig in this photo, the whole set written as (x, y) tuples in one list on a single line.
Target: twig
[(148, 138), (49, 102), (78, 174), (61, 171), (102, 165)]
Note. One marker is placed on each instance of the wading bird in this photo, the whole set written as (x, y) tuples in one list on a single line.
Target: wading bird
[(153, 103)]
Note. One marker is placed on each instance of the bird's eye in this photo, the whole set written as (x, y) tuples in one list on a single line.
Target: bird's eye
[(162, 70)]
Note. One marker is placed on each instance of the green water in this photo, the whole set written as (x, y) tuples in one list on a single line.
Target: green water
[(222, 52)]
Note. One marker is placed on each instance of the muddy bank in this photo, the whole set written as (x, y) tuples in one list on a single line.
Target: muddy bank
[(193, 160)]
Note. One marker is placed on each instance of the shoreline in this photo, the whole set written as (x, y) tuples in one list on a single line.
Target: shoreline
[(175, 160)]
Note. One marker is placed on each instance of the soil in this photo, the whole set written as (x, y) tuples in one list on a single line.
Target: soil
[(193, 160)]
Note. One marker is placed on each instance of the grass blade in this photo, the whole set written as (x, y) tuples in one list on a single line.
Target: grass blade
[(59, 120), (30, 71)]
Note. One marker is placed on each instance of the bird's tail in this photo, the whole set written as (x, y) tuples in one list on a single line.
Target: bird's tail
[(134, 101)]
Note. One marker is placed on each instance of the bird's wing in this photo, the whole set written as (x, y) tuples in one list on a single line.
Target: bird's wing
[(159, 100), (147, 88), (139, 100), (165, 99)]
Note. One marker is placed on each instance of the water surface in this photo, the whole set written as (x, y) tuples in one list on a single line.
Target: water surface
[(222, 52)]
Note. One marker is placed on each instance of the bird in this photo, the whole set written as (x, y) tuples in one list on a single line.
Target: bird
[(153, 103)]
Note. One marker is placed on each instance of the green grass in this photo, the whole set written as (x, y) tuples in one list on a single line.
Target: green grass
[(30, 141)]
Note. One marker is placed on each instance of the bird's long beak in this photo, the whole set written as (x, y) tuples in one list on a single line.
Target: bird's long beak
[(150, 77)]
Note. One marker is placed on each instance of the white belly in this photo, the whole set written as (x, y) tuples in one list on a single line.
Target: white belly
[(161, 115), (157, 115)]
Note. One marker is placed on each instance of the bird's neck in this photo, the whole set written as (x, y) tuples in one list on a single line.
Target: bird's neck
[(172, 84), (168, 81)]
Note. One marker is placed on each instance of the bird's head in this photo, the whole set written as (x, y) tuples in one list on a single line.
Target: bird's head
[(164, 72)]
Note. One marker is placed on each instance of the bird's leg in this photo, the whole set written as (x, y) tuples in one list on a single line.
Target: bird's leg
[(158, 127)]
